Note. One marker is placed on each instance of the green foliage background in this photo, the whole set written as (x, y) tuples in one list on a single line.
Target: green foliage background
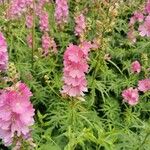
[(102, 121)]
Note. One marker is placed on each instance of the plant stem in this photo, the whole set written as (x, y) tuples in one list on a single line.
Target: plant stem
[(143, 141), (96, 69)]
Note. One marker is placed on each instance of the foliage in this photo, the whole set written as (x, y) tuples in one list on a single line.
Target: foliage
[(102, 121)]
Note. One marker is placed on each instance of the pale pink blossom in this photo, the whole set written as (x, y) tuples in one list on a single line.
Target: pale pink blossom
[(3, 53), (147, 7), (29, 21), (80, 25), (144, 85), (61, 11), (41, 3), (75, 67), (131, 36), (48, 44), (17, 7), (137, 16), (16, 115), (86, 46), (131, 96), (44, 21), (53, 45), (135, 67), (132, 21), (40, 6), (144, 29)]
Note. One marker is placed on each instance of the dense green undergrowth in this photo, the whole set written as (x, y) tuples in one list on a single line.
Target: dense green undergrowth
[(103, 121)]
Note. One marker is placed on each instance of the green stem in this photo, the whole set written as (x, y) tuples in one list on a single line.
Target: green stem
[(143, 141), (115, 66), (95, 71)]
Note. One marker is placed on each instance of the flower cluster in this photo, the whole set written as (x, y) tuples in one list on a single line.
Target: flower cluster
[(143, 18), (144, 85), (16, 115), (61, 11), (137, 16), (80, 25), (48, 43), (144, 28), (135, 67), (147, 7), (43, 21), (29, 21), (43, 16), (3, 53), (75, 67), (39, 6), (17, 7), (131, 95)]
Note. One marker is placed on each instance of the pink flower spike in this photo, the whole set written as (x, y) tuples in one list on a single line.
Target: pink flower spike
[(16, 115), (144, 29), (147, 7), (43, 21), (144, 85), (75, 67), (131, 96), (48, 44), (135, 67), (17, 8), (80, 25), (61, 11), (3, 53), (29, 21)]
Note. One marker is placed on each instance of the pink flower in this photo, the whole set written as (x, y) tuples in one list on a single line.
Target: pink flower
[(86, 47), (61, 11), (144, 29), (135, 67), (44, 22), (29, 40), (48, 43), (43, 2), (132, 21), (16, 115), (29, 21), (75, 67), (3, 53), (17, 7), (144, 85), (40, 6), (131, 96), (137, 16), (147, 7), (80, 25)]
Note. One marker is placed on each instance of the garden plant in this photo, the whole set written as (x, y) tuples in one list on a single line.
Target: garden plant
[(74, 75)]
